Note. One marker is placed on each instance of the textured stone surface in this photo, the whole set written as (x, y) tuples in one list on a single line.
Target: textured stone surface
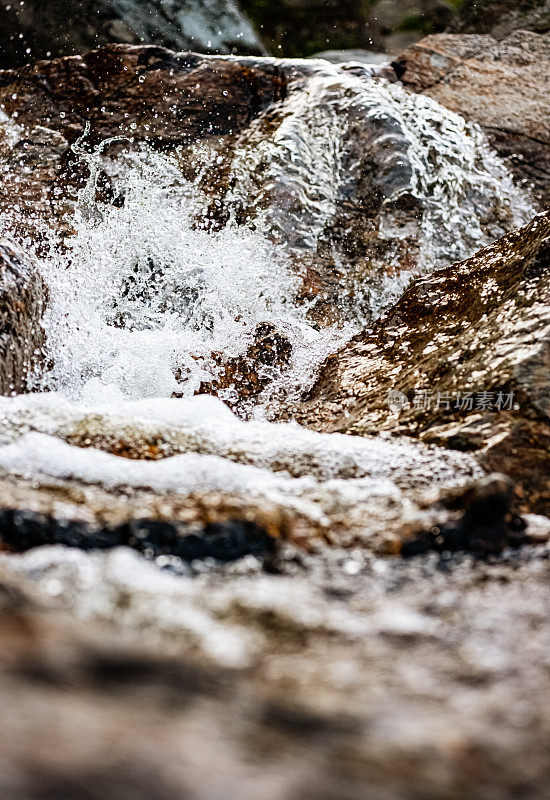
[(504, 86), (22, 298), (479, 326), (143, 94), (342, 676), (34, 30)]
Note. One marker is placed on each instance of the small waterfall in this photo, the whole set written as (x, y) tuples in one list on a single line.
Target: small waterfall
[(325, 208), (247, 260)]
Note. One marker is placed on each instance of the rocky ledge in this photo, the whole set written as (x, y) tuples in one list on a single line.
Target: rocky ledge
[(462, 359)]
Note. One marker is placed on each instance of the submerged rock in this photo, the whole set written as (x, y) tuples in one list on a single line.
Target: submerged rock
[(34, 30), (462, 360), (502, 85)]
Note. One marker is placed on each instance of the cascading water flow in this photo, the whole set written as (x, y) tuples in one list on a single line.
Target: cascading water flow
[(149, 298), (283, 242)]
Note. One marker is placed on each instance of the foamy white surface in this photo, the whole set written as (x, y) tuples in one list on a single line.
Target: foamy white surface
[(311, 472)]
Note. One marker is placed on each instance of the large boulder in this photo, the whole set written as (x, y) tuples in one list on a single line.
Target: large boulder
[(34, 30), (462, 359), (502, 85)]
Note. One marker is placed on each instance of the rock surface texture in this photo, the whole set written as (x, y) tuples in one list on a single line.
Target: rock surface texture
[(455, 344), (502, 85), (34, 30)]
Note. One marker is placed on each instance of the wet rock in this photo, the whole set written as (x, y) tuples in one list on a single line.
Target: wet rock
[(32, 30), (21, 530), (162, 97), (502, 85), (22, 298), (200, 525), (163, 100), (244, 378), (462, 360)]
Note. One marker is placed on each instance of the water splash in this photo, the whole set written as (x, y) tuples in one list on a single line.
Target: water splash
[(145, 294), (324, 208), (360, 154)]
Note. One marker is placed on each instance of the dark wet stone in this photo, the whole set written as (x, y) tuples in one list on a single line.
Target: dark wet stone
[(227, 540), (486, 524), (148, 93), (244, 374)]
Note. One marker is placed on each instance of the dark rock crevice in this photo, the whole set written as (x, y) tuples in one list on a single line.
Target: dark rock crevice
[(22, 529)]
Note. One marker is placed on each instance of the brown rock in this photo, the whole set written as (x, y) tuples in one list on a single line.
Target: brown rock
[(479, 326), (245, 375), (503, 86), (21, 303)]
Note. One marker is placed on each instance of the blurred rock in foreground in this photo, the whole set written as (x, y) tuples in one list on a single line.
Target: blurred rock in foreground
[(343, 676)]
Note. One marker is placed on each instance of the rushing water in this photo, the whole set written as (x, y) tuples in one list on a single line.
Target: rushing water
[(150, 295)]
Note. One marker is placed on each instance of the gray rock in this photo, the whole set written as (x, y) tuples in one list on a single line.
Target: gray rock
[(33, 30)]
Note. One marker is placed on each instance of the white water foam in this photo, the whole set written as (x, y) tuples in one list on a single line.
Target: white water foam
[(144, 295)]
